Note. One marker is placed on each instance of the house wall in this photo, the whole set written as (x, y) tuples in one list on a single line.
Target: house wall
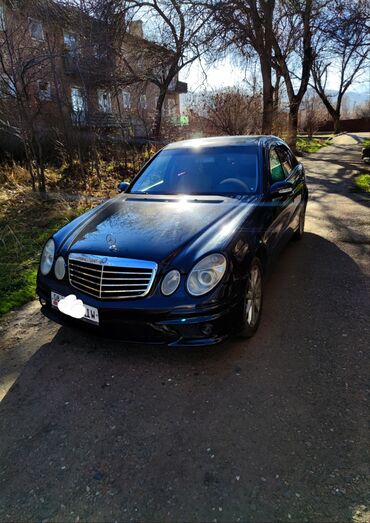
[(89, 73)]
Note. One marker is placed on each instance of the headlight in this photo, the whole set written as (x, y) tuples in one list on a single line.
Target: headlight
[(170, 282), (206, 274), (47, 257), (60, 268)]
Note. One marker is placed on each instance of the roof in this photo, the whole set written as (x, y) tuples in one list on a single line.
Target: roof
[(83, 21), (106, 31), (57, 11), (221, 141)]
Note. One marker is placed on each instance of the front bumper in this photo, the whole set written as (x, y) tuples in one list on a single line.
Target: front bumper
[(148, 322)]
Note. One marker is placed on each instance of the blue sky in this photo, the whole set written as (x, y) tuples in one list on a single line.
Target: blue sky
[(227, 74)]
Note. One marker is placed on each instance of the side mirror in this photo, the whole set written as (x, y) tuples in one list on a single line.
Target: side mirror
[(283, 188), (122, 187)]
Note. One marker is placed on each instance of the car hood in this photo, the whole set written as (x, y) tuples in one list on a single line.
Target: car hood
[(153, 228)]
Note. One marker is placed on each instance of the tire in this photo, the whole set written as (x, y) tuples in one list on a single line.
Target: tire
[(298, 235), (250, 315)]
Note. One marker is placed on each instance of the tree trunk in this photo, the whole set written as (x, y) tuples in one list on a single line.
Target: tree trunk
[(40, 167), (29, 164), (276, 94), (158, 114), (292, 125), (336, 122), (268, 99)]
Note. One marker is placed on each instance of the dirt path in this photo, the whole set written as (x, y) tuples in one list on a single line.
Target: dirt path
[(272, 429)]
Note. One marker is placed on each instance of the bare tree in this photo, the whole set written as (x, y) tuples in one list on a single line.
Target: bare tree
[(229, 112), (362, 110), (25, 89), (181, 31), (280, 33), (341, 43), (294, 25), (247, 27), (312, 114)]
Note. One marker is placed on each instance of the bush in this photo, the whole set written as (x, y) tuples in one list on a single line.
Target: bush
[(362, 182)]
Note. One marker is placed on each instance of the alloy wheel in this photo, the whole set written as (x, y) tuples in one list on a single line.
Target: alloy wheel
[(253, 300)]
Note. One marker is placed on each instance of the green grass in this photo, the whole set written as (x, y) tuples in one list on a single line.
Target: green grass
[(362, 182), (26, 222), (311, 145)]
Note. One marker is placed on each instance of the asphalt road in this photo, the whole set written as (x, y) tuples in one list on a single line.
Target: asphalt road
[(273, 429)]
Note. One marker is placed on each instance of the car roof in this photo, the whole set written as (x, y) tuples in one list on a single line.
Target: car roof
[(222, 141)]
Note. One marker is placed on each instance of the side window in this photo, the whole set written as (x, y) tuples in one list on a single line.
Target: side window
[(36, 29), (2, 18), (104, 101), (78, 100), (126, 99), (143, 101), (44, 90), (286, 160), (277, 173), (171, 107), (70, 41)]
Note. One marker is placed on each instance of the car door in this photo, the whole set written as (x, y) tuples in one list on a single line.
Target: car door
[(281, 206), (294, 174)]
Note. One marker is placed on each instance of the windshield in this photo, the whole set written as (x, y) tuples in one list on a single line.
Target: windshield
[(212, 170)]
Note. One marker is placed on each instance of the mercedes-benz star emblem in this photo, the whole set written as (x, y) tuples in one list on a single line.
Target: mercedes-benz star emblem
[(112, 242)]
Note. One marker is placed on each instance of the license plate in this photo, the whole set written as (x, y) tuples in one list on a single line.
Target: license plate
[(91, 315)]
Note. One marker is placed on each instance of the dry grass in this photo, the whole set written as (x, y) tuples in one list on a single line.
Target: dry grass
[(27, 220)]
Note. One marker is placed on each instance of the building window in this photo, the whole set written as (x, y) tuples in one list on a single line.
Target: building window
[(126, 100), (36, 30), (78, 101), (70, 41), (44, 90), (104, 101), (143, 102), (7, 86), (2, 18), (171, 107)]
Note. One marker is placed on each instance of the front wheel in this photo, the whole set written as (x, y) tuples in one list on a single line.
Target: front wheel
[(252, 304)]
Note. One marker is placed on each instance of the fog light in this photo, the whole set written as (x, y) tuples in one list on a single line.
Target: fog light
[(60, 268), (207, 329), (170, 282), (43, 302)]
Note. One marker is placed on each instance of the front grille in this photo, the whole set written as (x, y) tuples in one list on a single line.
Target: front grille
[(110, 278)]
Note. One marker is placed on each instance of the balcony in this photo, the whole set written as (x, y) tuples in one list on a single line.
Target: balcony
[(104, 121), (96, 120), (90, 67), (179, 87)]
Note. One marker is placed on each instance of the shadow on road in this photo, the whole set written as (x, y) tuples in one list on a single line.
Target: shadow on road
[(265, 430), (341, 181)]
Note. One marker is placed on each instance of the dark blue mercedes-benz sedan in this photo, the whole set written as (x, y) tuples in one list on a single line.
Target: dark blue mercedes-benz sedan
[(179, 256)]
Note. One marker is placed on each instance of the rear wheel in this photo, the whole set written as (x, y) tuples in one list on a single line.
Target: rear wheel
[(298, 235), (252, 304)]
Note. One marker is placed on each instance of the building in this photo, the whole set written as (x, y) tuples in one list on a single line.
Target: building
[(61, 67)]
